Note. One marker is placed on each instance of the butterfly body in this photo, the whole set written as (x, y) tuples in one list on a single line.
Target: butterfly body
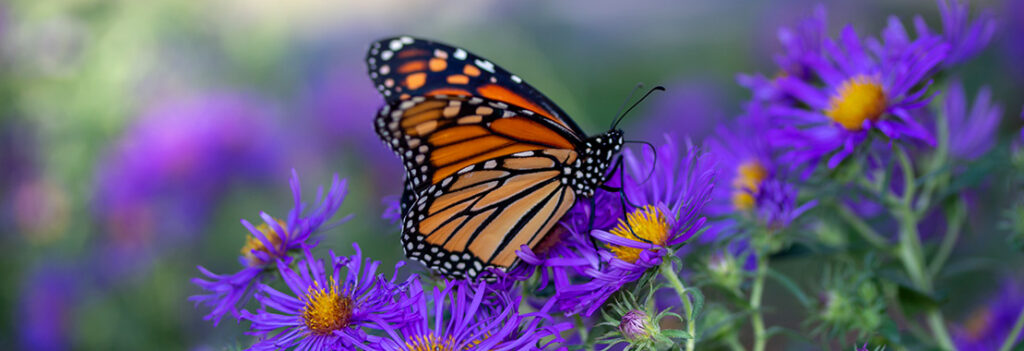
[(491, 164)]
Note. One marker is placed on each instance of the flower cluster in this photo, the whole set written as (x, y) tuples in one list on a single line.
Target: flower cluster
[(848, 119)]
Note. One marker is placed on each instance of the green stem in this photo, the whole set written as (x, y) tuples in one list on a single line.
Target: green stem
[(863, 228), (734, 344), (1014, 334), (673, 279), (578, 322), (911, 253), (954, 222), (757, 319)]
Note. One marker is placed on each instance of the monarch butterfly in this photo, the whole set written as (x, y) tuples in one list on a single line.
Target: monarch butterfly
[(491, 163)]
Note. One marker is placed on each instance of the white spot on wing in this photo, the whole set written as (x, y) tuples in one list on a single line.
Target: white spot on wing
[(516, 79), (485, 65), (459, 54)]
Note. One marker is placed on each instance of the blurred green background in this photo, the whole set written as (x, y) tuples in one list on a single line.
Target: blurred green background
[(135, 134)]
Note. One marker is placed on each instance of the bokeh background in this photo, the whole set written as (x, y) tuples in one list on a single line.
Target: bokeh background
[(135, 134)]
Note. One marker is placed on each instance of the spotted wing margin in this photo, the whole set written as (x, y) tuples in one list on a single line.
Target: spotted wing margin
[(480, 216), (437, 136), (405, 67)]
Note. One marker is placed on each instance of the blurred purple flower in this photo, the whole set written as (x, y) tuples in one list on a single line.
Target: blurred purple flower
[(164, 176), (1012, 35), (966, 38), (462, 316), (686, 108), (855, 90), (48, 298), (751, 185), (988, 326), (971, 131), (325, 311), (268, 243), (800, 44)]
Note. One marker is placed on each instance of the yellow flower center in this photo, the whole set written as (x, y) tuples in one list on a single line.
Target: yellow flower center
[(253, 244), (860, 98), (749, 176), (978, 323), (646, 224), (326, 310), (430, 342)]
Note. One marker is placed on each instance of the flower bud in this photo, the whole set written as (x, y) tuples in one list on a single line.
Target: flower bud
[(635, 325)]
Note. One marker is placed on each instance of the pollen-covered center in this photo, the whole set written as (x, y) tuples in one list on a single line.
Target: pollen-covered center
[(646, 224), (428, 343), (858, 99), (326, 309), (253, 244), (745, 185)]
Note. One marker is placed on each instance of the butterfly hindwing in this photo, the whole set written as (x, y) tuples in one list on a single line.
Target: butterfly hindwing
[(480, 216), (404, 67)]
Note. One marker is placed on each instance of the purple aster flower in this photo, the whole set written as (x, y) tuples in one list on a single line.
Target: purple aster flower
[(988, 326), (751, 185), (325, 311), (462, 316), (670, 201), (971, 131), (856, 89), (800, 44), (268, 243), (966, 38), (48, 299), (165, 175)]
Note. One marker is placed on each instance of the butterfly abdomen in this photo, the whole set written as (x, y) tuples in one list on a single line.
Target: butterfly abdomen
[(590, 169)]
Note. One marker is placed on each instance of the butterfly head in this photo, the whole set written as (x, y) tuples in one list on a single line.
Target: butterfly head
[(591, 168)]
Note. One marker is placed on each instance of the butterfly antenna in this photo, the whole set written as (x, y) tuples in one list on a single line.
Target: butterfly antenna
[(654, 163), (626, 102), (642, 98)]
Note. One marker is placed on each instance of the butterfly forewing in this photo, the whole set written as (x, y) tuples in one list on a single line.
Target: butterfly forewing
[(404, 67)]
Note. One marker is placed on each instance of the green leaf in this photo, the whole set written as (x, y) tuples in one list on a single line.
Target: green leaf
[(792, 287), (677, 334), (698, 303)]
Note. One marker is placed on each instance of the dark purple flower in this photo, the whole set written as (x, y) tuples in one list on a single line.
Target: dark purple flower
[(462, 316), (856, 89), (971, 130), (268, 243), (325, 311), (48, 299), (988, 326), (164, 176), (966, 38)]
